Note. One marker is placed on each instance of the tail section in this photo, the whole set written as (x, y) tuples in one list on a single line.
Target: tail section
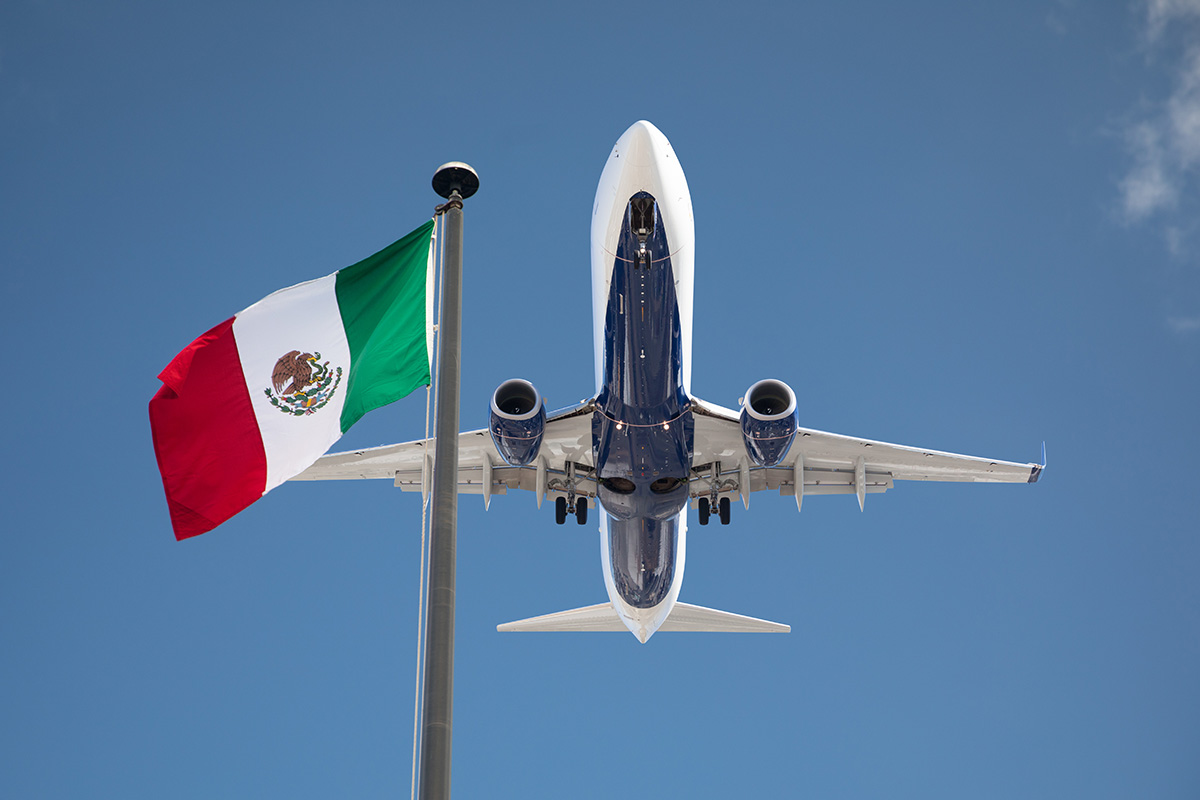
[(684, 618)]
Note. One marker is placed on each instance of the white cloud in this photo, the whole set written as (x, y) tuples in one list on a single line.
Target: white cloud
[(1165, 144), (1160, 13), (1184, 324), (1176, 241), (1056, 17), (1162, 183), (1056, 23), (1147, 188), (1183, 112)]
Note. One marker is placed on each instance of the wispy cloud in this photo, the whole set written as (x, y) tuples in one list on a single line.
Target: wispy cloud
[(1165, 143), (1161, 13), (1056, 16), (1161, 185), (1184, 324), (1176, 238), (1151, 184), (1183, 111)]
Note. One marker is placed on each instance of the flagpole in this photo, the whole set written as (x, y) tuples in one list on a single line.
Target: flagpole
[(454, 181)]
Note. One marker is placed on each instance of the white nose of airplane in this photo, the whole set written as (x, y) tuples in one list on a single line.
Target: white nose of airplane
[(642, 145), (639, 144)]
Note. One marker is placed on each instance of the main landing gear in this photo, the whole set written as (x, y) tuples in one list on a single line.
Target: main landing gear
[(706, 508), (577, 506), (571, 503)]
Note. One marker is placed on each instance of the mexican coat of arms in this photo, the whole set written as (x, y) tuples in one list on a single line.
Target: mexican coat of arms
[(302, 383)]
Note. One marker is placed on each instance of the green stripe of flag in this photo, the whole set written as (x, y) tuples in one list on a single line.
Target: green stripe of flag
[(382, 303)]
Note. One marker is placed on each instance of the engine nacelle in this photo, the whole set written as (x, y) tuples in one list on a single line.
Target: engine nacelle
[(769, 421), (518, 421)]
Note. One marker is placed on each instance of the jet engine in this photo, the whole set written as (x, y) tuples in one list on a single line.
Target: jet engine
[(518, 420), (769, 421)]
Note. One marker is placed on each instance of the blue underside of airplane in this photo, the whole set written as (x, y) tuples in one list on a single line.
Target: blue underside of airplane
[(642, 426)]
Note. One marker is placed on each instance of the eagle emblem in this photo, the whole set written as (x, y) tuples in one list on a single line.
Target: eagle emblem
[(302, 383)]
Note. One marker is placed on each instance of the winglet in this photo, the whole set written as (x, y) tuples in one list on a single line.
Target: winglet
[(1037, 468)]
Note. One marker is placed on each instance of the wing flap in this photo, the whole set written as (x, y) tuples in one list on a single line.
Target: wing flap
[(782, 480)]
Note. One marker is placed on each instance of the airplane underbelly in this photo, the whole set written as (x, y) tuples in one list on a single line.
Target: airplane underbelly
[(642, 555), (642, 429)]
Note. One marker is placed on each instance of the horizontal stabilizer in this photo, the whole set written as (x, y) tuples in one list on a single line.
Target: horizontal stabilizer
[(688, 618), (600, 617), (685, 618)]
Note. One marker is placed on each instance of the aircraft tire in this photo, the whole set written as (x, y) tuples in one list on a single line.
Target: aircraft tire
[(704, 511), (560, 510), (581, 505), (724, 510)]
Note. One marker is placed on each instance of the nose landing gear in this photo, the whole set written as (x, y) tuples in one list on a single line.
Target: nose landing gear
[(642, 216)]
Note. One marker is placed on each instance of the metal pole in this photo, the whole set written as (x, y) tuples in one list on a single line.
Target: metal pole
[(454, 181)]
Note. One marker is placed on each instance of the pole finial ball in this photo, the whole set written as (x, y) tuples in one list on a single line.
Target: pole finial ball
[(455, 175)]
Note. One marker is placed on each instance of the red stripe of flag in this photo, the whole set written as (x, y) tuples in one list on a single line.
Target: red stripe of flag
[(209, 449)]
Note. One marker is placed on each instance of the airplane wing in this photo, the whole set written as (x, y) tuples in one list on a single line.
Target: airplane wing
[(828, 462), (565, 454)]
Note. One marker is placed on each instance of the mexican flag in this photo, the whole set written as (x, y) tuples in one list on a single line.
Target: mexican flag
[(263, 395)]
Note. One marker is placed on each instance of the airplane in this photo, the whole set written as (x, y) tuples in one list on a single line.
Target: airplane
[(644, 449)]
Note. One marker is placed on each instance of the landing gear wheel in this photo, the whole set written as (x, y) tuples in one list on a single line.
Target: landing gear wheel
[(724, 510), (581, 510), (704, 510), (560, 510)]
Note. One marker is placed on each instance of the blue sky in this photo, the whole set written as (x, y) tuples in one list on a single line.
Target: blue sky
[(962, 226)]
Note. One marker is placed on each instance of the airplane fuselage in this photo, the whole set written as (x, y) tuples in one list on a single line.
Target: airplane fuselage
[(642, 429)]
